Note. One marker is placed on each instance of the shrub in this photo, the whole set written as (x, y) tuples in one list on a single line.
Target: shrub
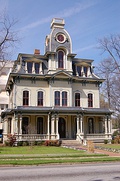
[(105, 141), (117, 139), (112, 141), (20, 143), (90, 146), (25, 143), (52, 143), (11, 140), (39, 143)]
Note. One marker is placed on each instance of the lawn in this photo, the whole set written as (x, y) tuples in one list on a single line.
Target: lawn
[(37, 150), (35, 155)]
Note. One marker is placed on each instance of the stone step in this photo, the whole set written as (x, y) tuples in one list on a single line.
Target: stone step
[(70, 143)]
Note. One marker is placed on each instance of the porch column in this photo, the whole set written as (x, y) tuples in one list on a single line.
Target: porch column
[(109, 125), (78, 124), (57, 118), (20, 131), (53, 127), (48, 126), (81, 124), (5, 126), (5, 129), (106, 129), (12, 125), (16, 124)]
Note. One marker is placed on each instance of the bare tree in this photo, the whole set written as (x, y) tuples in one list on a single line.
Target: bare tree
[(110, 70), (111, 45), (105, 69), (8, 38)]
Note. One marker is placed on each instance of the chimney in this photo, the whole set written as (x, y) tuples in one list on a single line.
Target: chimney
[(36, 52)]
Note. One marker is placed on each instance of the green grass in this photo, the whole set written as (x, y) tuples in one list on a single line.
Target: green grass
[(26, 155), (113, 146), (54, 161), (36, 150)]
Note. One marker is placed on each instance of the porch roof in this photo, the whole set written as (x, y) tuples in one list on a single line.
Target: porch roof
[(57, 110)]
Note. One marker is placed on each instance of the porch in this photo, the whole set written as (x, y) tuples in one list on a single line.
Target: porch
[(58, 124)]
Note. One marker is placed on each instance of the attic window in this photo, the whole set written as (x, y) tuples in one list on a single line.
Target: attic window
[(37, 66), (29, 67), (85, 71), (79, 70)]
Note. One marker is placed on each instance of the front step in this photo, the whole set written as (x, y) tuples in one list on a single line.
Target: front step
[(71, 144)]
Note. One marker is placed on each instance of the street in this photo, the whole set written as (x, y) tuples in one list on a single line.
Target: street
[(73, 172)]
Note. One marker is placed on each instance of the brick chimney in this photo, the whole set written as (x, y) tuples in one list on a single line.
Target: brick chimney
[(36, 52)]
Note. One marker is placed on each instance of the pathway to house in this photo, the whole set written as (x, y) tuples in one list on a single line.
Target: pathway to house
[(101, 151), (110, 153)]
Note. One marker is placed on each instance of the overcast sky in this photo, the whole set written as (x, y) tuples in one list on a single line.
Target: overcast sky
[(85, 20)]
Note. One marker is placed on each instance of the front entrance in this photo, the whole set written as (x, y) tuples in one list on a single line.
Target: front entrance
[(62, 127)]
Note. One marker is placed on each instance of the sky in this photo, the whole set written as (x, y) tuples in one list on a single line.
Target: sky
[(86, 21)]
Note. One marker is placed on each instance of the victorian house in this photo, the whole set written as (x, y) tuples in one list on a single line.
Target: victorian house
[(56, 95)]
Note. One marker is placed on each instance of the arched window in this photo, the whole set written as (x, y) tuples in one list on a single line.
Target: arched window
[(57, 98), (77, 99), (25, 98), (60, 59), (40, 98), (64, 98), (90, 100)]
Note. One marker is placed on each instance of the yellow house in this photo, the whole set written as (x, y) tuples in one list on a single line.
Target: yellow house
[(55, 96)]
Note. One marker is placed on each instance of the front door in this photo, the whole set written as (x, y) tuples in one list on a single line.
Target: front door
[(62, 127)]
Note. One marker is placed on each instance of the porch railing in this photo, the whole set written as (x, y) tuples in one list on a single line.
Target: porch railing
[(32, 137), (98, 135)]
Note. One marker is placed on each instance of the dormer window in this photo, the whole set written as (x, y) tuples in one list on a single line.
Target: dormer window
[(85, 71), (37, 66), (29, 67), (79, 70)]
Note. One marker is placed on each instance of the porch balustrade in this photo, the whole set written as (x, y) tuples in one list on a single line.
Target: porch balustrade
[(96, 136), (32, 137)]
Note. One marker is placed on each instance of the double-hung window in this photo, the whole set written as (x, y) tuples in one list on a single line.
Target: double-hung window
[(64, 98), (25, 98), (57, 98), (40, 98), (77, 99), (90, 100), (60, 98)]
